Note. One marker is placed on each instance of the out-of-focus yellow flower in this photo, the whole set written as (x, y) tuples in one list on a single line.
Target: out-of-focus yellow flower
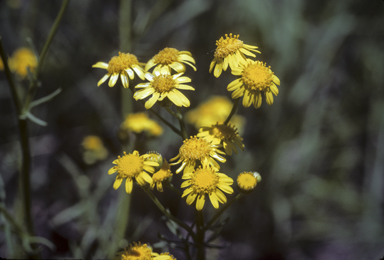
[(132, 166), (1, 64), (161, 86), (230, 51), (124, 66), (140, 122), (93, 149), (206, 181), (160, 176), (227, 135), (247, 181), (197, 150), (214, 110), (22, 59), (170, 58), (254, 79)]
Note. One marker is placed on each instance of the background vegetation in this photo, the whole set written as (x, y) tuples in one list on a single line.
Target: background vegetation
[(319, 147)]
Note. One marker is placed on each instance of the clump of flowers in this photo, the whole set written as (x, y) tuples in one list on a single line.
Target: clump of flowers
[(94, 149), (125, 65), (22, 60), (170, 58), (138, 251), (161, 176), (132, 166), (206, 181)]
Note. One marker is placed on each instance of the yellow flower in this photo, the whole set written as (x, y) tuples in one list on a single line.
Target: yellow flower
[(22, 59), (124, 65), (247, 181), (160, 176), (170, 58), (206, 181), (132, 166), (163, 256), (137, 251), (196, 150), (1, 64), (163, 85), (230, 51), (93, 149), (225, 134), (140, 122), (254, 78), (215, 109)]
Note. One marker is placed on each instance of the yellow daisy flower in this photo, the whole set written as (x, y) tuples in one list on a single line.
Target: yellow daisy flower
[(22, 59), (163, 85), (247, 181), (254, 79), (132, 166), (93, 149), (163, 256), (206, 181), (137, 251), (225, 134), (140, 122), (197, 150), (170, 58), (230, 51), (124, 65), (160, 176), (215, 109)]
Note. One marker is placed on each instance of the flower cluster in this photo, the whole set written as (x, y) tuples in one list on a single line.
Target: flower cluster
[(138, 251)]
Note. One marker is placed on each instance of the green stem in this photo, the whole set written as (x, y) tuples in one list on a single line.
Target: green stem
[(179, 193), (200, 235), (180, 118), (222, 209), (174, 129), (233, 111), (167, 213), (36, 74)]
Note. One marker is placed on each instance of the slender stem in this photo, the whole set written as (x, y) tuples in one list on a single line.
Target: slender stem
[(179, 193), (200, 235), (174, 129), (179, 117), (233, 111), (36, 74), (167, 213), (223, 208)]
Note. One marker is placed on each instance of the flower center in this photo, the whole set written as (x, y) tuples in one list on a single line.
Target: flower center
[(166, 56), (122, 62), (223, 132), (130, 165), (246, 181), (163, 173), (137, 252), (163, 83), (227, 46), (195, 149), (257, 76), (204, 181)]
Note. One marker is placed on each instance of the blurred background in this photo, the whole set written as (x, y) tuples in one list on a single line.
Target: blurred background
[(319, 147)]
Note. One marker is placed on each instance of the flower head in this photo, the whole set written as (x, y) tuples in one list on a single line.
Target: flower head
[(140, 122), (21, 60), (170, 58), (247, 181), (132, 166), (215, 109), (197, 150), (163, 256), (230, 51), (137, 251), (254, 79), (93, 149), (161, 86), (227, 135), (161, 176), (124, 65), (206, 181)]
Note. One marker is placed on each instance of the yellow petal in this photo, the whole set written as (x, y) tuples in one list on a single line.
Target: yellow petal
[(112, 170), (191, 198), (113, 79), (200, 202), (100, 65), (214, 200), (128, 185), (152, 100), (218, 69), (124, 80), (117, 182), (234, 84), (103, 79), (143, 93), (177, 66), (269, 97), (149, 64), (274, 89), (212, 65)]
